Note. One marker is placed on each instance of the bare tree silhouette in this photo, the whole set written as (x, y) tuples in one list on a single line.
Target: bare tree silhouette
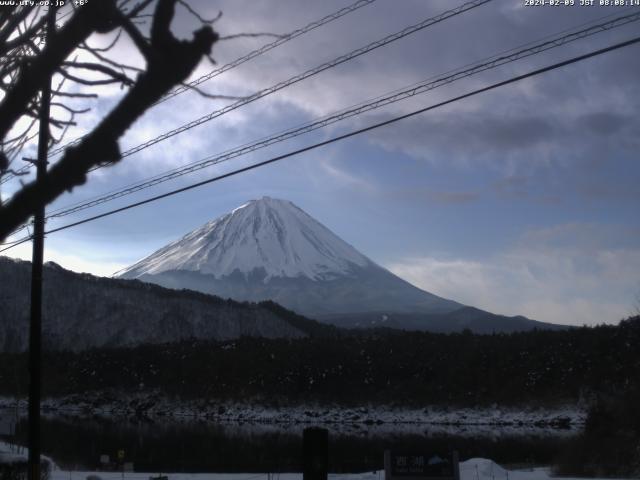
[(29, 57)]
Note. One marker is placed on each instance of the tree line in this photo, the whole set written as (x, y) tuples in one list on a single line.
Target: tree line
[(334, 366)]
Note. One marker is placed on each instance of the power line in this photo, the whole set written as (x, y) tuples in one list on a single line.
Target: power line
[(249, 56), (218, 71), (307, 74), (620, 21), (343, 137), (393, 97), (298, 78), (311, 72), (397, 95), (265, 48), (25, 169), (19, 172), (17, 242)]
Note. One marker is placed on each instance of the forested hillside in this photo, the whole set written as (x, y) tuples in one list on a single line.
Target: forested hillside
[(84, 311)]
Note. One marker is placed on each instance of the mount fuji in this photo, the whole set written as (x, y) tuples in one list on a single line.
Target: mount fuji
[(269, 249)]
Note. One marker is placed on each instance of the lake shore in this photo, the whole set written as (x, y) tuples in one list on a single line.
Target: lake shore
[(561, 417)]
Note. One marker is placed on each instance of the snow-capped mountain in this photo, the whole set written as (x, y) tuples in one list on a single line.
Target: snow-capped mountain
[(271, 249), (268, 234)]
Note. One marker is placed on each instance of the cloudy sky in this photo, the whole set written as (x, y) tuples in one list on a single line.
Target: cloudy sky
[(520, 201)]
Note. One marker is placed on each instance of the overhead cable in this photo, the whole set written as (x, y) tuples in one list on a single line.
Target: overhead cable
[(359, 109), (226, 67), (393, 120), (302, 76)]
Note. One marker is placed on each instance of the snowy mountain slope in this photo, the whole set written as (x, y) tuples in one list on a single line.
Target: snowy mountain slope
[(271, 234), (81, 311), (271, 249)]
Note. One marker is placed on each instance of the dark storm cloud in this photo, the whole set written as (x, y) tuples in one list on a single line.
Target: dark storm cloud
[(574, 114), (512, 118), (606, 123), (475, 134), (540, 122)]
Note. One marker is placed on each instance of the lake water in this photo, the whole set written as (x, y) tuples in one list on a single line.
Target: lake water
[(196, 446)]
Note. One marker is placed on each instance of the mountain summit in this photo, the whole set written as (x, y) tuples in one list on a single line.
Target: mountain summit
[(269, 235), (270, 249)]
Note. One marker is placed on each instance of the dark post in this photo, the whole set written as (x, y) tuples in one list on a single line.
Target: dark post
[(316, 453), (387, 464), (456, 465), (35, 325)]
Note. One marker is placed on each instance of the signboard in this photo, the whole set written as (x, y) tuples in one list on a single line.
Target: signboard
[(104, 459), (423, 466), (121, 455)]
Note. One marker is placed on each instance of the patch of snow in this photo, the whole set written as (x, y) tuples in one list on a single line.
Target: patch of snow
[(472, 469), (11, 454)]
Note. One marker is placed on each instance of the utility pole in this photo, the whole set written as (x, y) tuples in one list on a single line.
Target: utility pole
[(35, 325)]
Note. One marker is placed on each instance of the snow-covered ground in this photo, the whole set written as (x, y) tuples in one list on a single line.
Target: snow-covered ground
[(569, 417), (11, 454), (472, 469)]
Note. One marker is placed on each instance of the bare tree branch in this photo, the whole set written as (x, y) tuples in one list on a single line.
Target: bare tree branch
[(23, 37), (108, 61), (61, 124), (96, 67), (12, 22), (17, 173), (211, 96), (198, 16), (138, 39), (69, 109), (20, 135), (58, 93), (139, 8), (93, 17), (169, 63), (84, 81), (108, 47)]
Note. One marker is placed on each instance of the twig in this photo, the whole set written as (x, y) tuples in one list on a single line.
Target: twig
[(108, 47), (58, 93), (69, 109), (140, 41), (91, 83), (211, 96), (96, 67), (198, 16), (138, 8), (104, 59)]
